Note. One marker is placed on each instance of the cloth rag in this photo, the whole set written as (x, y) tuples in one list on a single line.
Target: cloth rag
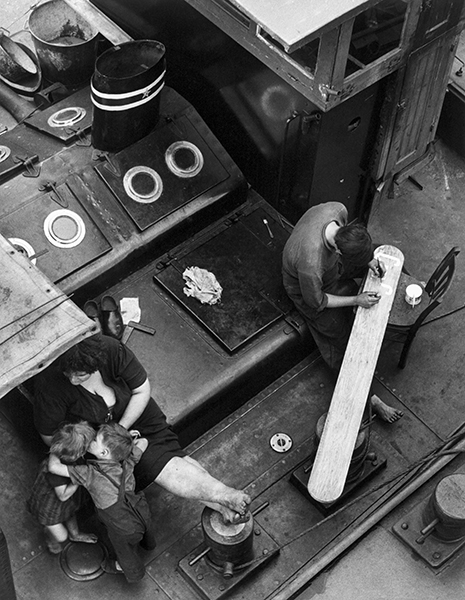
[(202, 284)]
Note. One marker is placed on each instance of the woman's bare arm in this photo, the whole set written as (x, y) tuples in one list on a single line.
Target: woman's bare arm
[(137, 403)]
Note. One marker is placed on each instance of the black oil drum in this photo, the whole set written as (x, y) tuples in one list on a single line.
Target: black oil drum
[(125, 92)]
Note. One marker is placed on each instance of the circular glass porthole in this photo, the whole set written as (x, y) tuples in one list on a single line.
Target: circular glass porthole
[(4, 153), (67, 116), (184, 159), (64, 228), (143, 184), (23, 247)]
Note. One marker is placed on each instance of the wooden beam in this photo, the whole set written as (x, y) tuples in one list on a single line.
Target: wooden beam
[(332, 460), (104, 24), (37, 320)]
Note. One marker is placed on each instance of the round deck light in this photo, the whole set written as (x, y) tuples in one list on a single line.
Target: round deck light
[(23, 247), (64, 228), (67, 116), (143, 184), (184, 159), (4, 153)]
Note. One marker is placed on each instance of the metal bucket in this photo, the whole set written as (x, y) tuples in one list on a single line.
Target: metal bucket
[(66, 44), (125, 92), (15, 63)]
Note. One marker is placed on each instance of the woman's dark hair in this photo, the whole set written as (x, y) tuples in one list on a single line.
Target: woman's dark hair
[(355, 244), (86, 357)]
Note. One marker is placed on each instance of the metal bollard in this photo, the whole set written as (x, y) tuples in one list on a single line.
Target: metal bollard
[(7, 588)]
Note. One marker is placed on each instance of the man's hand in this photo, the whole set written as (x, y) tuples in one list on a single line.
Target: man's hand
[(377, 267), (367, 299)]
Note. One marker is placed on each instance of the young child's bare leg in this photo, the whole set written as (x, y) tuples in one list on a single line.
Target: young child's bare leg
[(54, 536), (78, 536)]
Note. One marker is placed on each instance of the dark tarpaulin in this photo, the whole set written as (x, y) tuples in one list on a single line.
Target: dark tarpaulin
[(37, 321)]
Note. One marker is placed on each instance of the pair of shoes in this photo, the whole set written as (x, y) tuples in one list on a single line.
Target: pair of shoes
[(92, 311), (107, 316)]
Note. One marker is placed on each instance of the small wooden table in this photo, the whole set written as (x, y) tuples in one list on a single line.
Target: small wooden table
[(332, 461)]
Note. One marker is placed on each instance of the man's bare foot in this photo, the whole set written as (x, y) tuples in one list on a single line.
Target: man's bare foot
[(233, 506), (236, 500), (385, 412), (87, 538)]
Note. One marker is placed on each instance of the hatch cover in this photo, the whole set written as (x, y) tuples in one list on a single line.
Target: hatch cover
[(13, 158), (164, 171), (66, 120), (72, 239), (247, 264)]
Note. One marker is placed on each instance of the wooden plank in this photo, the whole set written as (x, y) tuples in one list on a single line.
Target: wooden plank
[(37, 320), (293, 23), (332, 461), (104, 24)]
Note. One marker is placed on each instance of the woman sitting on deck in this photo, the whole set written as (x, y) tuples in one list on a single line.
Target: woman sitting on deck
[(100, 380)]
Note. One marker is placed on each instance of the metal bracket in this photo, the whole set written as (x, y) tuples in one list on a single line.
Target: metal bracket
[(28, 163), (110, 162), (51, 186), (82, 139), (162, 264)]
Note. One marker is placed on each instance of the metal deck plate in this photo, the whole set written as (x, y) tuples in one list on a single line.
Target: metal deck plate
[(68, 133), (435, 552), (27, 222), (247, 266), (14, 159), (176, 191)]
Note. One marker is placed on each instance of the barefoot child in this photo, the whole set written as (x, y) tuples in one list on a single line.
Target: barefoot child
[(54, 499), (110, 481)]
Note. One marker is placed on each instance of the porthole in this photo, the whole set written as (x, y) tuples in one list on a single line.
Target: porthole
[(143, 184), (184, 159), (67, 116), (64, 228)]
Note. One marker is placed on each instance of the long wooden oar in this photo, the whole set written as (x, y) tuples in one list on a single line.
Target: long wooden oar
[(332, 461)]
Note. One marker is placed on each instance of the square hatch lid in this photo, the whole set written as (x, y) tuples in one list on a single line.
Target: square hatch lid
[(162, 172), (66, 120), (246, 261), (296, 22), (63, 235)]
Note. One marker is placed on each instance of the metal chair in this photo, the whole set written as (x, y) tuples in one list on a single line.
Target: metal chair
[(404, 320)]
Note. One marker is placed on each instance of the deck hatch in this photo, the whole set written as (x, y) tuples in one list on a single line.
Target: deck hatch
[(66, 120), (174, 189), (246, 262), (61, 258)]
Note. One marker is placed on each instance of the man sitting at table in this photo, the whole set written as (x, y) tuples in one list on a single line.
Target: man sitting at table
[(322, 259)]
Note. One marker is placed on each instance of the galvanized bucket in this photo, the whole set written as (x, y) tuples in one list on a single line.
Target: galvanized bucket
[(125, 92), (15, 63), (66, 44)]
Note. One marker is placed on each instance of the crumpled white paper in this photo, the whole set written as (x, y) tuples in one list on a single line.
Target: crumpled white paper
[(130, 310), (202, 284)]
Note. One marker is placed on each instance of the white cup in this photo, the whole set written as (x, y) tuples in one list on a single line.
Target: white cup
[(413, 294)]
